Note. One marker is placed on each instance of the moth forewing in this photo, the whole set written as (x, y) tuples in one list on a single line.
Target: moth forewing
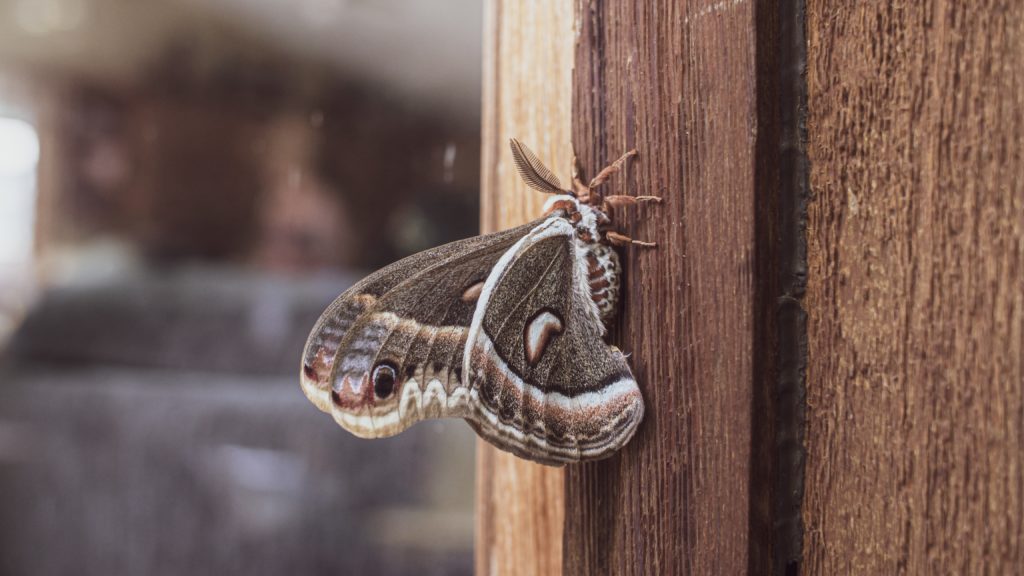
[(413, 314)]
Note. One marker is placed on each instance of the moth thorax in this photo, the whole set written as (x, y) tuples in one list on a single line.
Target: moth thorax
[(603, 278)]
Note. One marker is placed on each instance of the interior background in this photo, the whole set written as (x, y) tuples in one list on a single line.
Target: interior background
[(184, 186)]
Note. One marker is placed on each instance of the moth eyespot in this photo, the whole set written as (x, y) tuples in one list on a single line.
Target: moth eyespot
[(384, 378), (540, 330)]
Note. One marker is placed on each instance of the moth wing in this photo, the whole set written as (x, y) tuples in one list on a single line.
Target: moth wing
[(427, 288), (547, 386)]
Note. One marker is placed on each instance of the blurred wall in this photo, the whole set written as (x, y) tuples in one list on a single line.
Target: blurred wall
[(212, 173)]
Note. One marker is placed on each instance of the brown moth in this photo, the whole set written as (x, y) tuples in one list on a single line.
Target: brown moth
[(505, 330)]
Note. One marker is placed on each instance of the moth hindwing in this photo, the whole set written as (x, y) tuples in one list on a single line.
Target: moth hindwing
[(504, 330)]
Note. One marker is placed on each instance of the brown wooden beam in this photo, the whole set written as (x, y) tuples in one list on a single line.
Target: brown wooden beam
[(528, 63), (915, 293), (677, 81), (915, 302)]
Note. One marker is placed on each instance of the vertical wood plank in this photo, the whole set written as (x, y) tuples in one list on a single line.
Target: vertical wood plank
[(915, 294), (528, 63), (677, 81)]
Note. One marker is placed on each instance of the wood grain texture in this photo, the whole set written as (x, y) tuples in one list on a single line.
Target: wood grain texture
[(677, 81), (528, 62), (915, 294)]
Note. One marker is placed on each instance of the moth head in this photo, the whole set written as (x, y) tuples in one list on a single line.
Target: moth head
[(561, 204), (589, 221)]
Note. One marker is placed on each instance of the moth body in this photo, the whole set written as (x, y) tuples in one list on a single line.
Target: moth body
[(598, 261), (504, 330)]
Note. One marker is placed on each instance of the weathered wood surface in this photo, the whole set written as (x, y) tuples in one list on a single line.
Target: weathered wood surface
[(677, 81), (528, 63), (916, 288)]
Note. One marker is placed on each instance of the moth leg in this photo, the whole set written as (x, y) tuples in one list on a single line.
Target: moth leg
[(610, 169), (618, 200), (622, 240)]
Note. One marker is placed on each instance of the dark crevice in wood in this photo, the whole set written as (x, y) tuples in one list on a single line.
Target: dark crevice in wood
[(779, 404), (915, 297)]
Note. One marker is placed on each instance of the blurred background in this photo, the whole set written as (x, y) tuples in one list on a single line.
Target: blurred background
[(184, 186)]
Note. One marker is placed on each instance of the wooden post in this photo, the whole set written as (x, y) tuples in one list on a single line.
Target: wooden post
[(528, 60), (914, 340), (677, 81), (916, 288), (682, 83)]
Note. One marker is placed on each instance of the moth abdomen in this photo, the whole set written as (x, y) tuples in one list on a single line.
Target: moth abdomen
[(603, 272)]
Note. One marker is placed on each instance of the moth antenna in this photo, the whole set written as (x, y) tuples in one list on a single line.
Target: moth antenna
[(533, 171)]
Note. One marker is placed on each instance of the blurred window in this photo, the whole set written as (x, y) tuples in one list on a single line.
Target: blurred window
[(19, 155)]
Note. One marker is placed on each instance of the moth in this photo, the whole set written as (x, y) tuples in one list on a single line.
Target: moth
[(504, 330)]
